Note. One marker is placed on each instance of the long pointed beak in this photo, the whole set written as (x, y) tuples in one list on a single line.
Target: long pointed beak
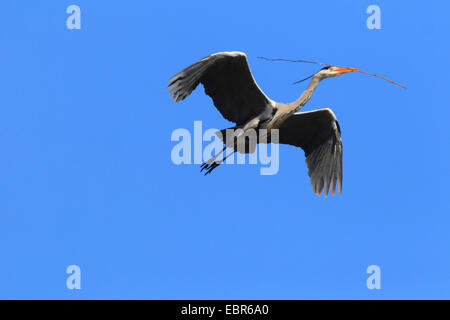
[(342, 70)]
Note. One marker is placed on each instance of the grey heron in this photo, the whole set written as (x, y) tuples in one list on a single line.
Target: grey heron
[(227, 79)]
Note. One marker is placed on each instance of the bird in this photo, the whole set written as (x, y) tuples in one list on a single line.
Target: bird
[(228, 80)]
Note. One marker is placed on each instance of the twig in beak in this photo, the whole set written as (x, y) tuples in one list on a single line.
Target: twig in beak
[(326, 64)]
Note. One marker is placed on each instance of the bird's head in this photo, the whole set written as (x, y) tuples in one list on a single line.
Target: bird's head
[(332, 71), (329, 72)]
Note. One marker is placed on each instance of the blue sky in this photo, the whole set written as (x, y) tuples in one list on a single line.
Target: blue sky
[(86, 176)]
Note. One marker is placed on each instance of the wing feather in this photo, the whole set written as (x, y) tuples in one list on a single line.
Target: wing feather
[(319, 135), (227, 79)]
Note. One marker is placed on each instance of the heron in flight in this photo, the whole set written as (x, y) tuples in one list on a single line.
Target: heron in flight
[(227, 79)]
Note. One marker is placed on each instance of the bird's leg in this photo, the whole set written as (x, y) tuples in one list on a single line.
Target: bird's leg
[(212, 163), (207, 163), (217, 163)]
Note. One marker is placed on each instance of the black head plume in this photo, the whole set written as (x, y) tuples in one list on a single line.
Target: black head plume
[(304, 79)]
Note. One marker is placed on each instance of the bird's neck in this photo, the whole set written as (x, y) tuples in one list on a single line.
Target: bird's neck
[(306, 95)]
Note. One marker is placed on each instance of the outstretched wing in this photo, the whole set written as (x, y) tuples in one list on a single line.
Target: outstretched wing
[(228, 80), (319, 135)]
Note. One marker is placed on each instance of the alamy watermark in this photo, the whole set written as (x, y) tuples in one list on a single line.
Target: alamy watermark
[(374, 280), (243, 147), (74, 20), (73, 281), (374, 20)]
